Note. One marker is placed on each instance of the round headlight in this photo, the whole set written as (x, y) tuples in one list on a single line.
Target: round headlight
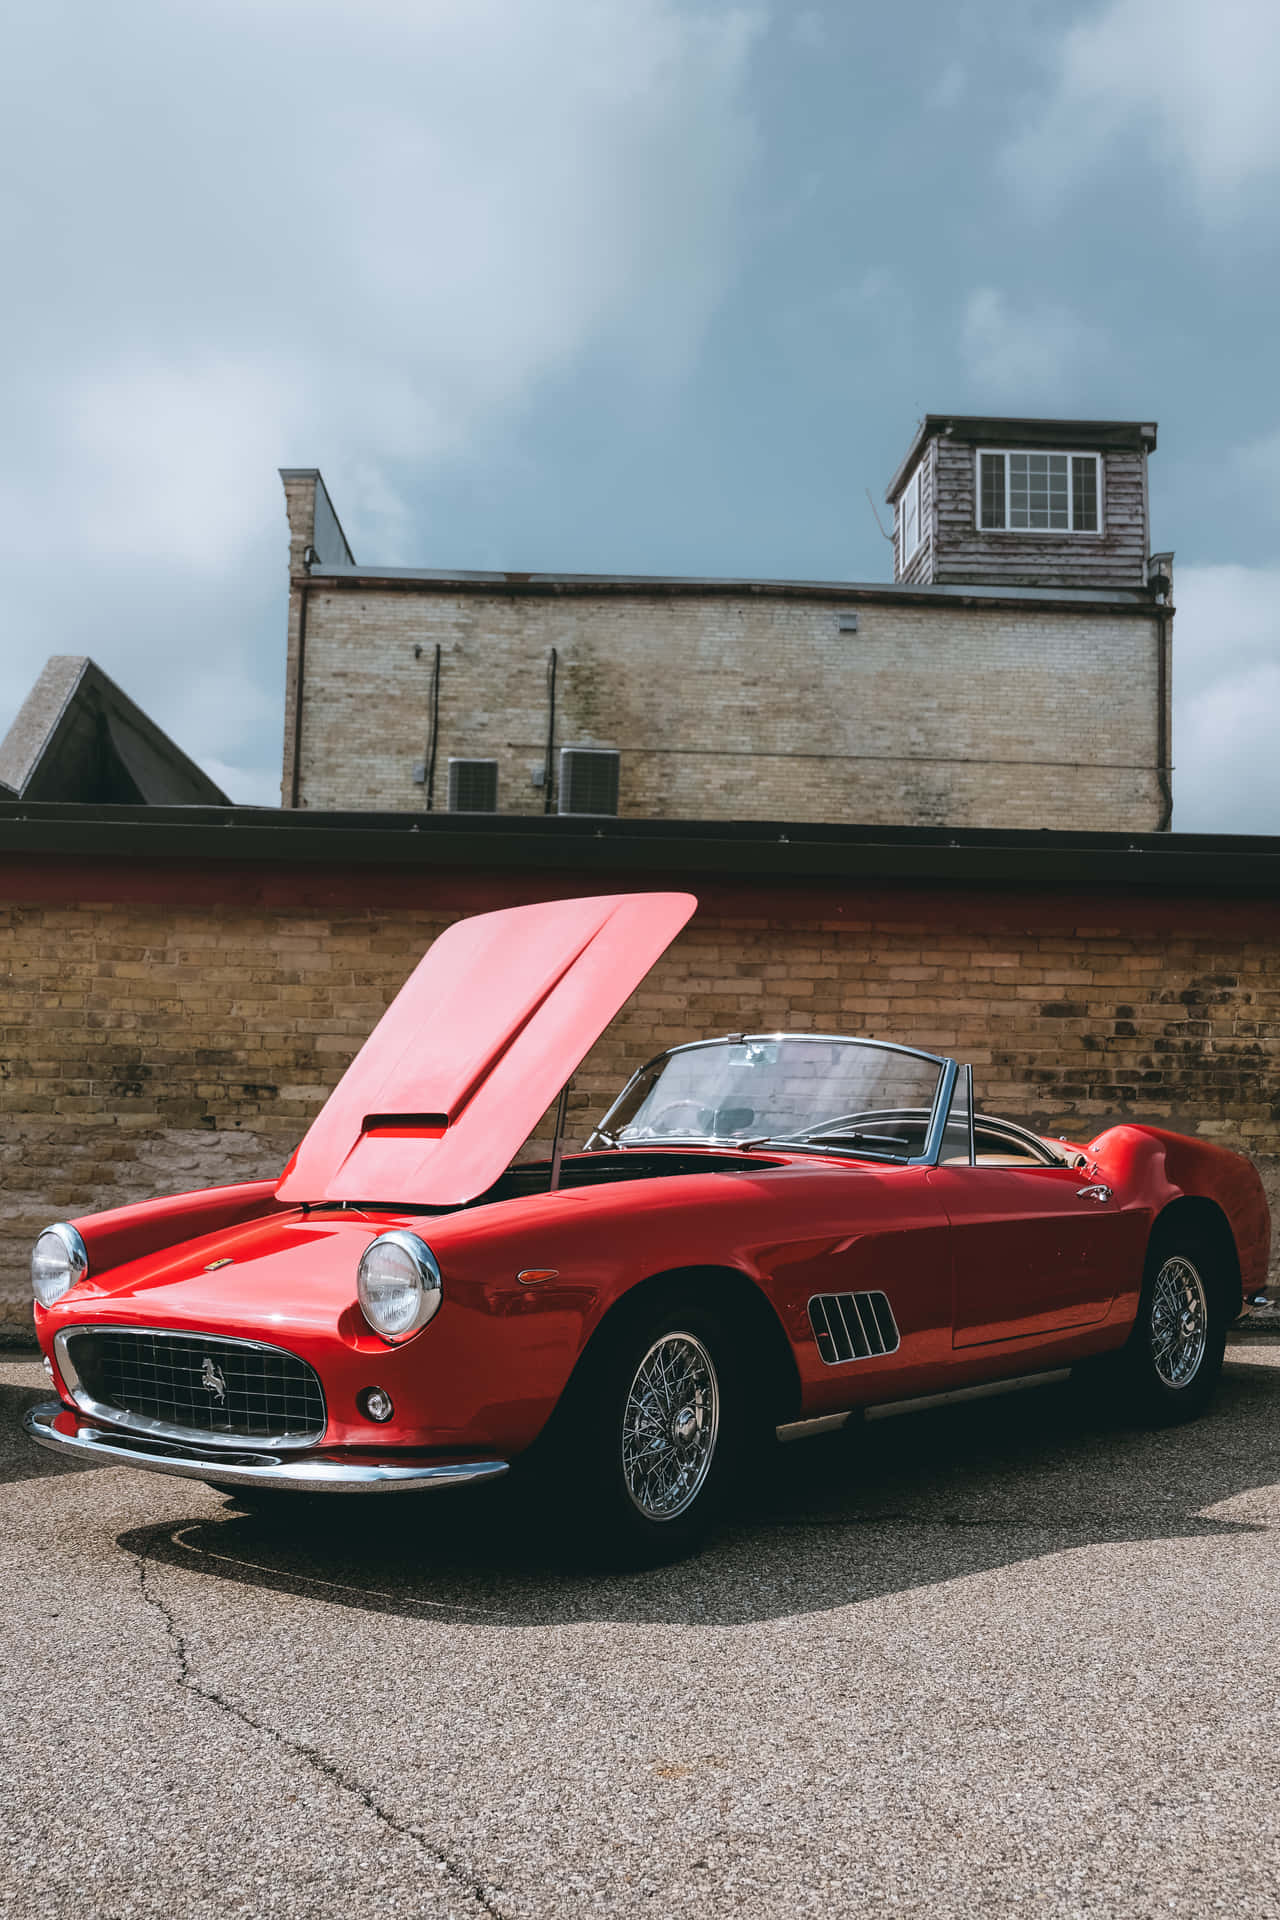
[(58, 1260), (398, 1284)]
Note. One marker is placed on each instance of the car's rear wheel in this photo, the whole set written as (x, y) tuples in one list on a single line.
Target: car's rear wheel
[(650, 1436), (1168, 1369)]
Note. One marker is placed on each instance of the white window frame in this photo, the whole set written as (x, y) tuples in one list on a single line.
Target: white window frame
[(907, 554), (1040, 533)]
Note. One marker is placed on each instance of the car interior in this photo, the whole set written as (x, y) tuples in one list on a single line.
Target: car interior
[(997, 1143)]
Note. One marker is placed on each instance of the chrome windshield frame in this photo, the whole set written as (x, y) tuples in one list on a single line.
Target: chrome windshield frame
[(948, 1072)]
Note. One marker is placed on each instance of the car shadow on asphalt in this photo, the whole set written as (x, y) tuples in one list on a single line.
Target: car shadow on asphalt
[(20, 1457), (908, 1502)]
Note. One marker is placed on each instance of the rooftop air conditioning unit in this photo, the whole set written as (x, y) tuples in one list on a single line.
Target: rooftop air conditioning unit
[(589, 780), (473, 786)]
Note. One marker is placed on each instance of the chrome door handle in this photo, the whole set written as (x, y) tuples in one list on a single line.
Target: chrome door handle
[(1100, 1194)]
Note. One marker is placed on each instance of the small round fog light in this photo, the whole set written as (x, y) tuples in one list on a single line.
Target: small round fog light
[(375, 1404)]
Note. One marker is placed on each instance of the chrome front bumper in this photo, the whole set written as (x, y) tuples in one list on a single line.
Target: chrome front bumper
[(54, 1426)]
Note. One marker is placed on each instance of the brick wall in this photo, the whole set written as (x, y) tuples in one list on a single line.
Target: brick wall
[(173, 1032), (743, 707)]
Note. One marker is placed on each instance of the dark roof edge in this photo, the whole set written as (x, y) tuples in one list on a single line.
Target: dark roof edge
[(1023, 430), (772, 851), (423, 579)]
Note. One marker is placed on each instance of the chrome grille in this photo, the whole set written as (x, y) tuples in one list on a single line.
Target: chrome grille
[(194, 1386), (852, 1326)]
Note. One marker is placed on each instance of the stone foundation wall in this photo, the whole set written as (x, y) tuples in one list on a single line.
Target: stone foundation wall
[(149, 1047)]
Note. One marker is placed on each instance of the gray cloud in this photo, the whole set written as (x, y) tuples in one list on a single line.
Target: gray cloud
[(1226, 698), (1195, 77), (385, 238), (1026, 355), (266, 234)]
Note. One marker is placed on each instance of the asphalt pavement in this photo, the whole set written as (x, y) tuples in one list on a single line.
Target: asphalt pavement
[(993, 1659)]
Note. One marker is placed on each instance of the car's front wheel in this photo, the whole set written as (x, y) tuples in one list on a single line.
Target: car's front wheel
[(650, 1436)]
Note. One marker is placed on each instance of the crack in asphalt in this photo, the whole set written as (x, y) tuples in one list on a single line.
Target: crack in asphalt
[(326, 1768)]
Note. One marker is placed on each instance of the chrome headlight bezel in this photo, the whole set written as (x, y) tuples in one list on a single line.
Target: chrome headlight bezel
[(74, 1265), (419, 1274)]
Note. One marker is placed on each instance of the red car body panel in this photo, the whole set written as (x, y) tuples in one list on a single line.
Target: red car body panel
[(476, 1046), (488, 1370), (1170, 1165), (125, 1234), (991, 1270), (1028, 1257)]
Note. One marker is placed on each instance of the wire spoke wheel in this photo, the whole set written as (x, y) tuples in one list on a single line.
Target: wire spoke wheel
[(1179, 1324), (670, 1424)]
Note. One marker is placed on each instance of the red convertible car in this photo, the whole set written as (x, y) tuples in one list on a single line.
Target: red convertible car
[(765, 1229)]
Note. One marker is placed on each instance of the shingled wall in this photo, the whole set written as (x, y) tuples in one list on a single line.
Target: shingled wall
[(168, 1027)]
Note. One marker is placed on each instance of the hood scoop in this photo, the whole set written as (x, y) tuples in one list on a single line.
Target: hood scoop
[(476, 1046)]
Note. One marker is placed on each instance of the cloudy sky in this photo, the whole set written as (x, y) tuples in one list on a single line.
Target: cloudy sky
[(616, 285)]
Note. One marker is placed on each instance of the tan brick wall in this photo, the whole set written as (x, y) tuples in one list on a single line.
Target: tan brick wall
[(740, 707), (150, 1049)]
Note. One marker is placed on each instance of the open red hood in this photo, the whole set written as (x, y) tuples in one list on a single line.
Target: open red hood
[(476, 1046)]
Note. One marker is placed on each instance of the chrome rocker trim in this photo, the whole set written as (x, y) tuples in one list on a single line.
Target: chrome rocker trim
[(243, 1469)]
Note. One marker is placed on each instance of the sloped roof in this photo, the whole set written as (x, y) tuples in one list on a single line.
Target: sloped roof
[(79, 737)]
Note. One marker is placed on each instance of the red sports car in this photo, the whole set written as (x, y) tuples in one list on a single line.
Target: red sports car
[(765, 1229)]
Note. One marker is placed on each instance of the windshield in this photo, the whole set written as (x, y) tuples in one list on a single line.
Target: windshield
[(859, 1094)]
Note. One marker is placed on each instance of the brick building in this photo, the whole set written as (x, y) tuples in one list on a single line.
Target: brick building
[(1014, 674), (183, 986)]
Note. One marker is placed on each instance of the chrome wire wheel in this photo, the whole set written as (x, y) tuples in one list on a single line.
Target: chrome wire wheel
[(1179, 1322), (669, 1426)]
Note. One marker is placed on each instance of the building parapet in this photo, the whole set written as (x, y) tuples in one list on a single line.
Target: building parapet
[(776, 852)]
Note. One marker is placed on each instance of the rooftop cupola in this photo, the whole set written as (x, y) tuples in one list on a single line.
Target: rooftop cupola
[(1023, 503)]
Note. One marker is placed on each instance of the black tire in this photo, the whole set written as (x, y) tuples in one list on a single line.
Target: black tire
[(1170, 1365), (626, 1501)]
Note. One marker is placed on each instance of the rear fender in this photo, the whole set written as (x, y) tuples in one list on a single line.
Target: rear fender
[(1158, 1168)]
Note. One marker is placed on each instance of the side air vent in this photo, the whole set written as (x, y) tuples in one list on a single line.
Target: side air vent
[(473, 786), (852, 1326), (589, 780)]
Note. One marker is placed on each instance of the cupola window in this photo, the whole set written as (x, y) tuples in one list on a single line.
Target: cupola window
[(1039, 492)]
